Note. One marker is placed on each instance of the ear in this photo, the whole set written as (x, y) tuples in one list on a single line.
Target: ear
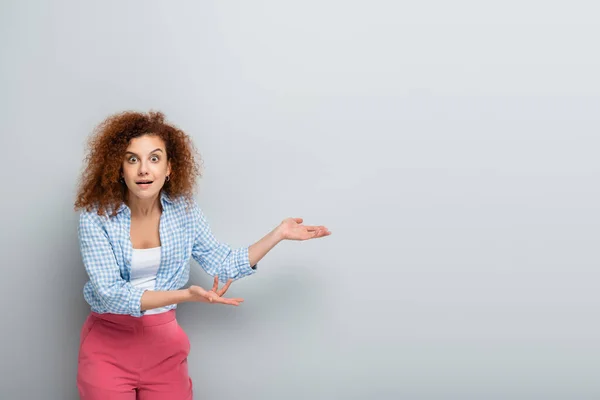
[(169, 167)]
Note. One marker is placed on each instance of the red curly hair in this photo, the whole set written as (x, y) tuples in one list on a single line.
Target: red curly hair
[(100, 185)]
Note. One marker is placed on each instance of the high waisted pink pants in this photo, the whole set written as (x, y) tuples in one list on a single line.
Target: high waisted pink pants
[(126, 358)]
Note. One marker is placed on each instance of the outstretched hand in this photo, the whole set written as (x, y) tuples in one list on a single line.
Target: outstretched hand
[(292, 229), (215, 295)]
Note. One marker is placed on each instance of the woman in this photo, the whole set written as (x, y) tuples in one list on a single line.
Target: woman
[(138, 229)]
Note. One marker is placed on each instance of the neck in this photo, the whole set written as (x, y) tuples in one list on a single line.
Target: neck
[(143, 207)]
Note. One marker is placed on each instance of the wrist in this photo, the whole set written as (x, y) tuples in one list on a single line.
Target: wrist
[(187, 295), (278, 234)]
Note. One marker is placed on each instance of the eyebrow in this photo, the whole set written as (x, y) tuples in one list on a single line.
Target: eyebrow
[(131, 152)]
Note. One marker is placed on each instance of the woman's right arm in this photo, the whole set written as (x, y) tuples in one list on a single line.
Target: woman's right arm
[(161, 298)]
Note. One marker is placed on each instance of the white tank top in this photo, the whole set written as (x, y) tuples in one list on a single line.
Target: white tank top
[(144, 265)]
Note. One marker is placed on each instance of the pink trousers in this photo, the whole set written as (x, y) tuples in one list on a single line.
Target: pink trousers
[(127, 358)]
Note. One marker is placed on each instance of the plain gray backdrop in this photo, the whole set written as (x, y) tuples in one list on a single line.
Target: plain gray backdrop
[(451, 148)]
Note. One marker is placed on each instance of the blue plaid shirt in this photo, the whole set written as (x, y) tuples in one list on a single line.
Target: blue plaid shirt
[(106, 250)]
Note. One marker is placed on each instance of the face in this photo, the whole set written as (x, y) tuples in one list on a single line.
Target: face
[(145, 166)]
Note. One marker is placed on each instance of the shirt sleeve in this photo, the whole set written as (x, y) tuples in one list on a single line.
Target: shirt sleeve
[(218, 258), (117, 295)]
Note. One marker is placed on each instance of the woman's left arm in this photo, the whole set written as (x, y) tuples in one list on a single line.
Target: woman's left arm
[(218, 259)]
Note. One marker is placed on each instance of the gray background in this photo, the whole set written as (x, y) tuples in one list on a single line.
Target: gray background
[(451, 147)]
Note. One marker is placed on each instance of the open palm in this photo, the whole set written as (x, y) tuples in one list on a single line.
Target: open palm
[(293, 229), (214, 295)]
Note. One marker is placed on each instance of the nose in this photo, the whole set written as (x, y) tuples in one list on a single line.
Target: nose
[(143, 170)]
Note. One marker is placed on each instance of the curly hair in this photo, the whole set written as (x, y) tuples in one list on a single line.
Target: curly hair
[(100, 185)]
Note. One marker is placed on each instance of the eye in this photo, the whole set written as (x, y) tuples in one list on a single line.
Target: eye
[(132, 159), (155, 158)]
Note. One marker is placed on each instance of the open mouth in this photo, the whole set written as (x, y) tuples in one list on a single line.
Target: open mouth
[(144, 182)]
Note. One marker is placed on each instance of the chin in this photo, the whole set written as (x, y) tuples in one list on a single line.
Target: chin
[(144, 194)]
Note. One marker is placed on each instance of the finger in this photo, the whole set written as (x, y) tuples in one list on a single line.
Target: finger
[(233, 302), (317, 234), (311, 228), (215, 283), (298, 220), (323, 231), (224, 289)]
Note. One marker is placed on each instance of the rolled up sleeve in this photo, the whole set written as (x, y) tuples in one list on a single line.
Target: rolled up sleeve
[(117, 295), (217, 258)]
